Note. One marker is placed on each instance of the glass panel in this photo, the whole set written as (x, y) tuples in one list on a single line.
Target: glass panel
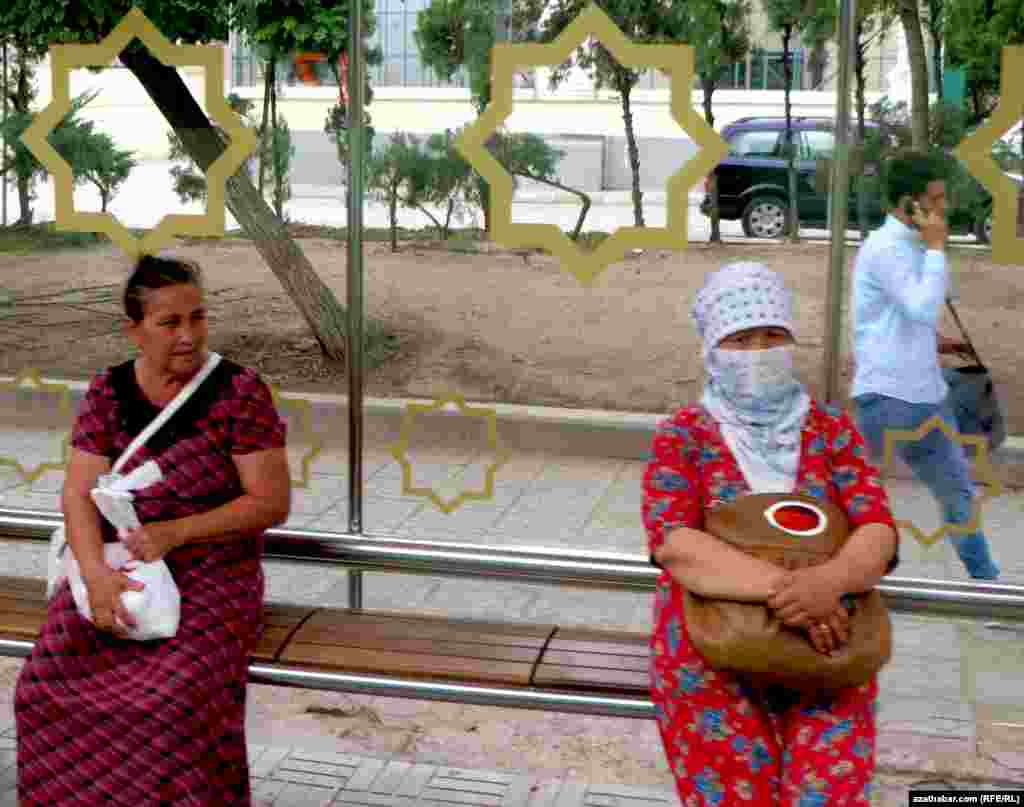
[(818, 144), (523, 400), (754, 144)]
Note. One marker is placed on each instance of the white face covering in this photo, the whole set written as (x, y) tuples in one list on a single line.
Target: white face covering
[(754, 380), (760, 405)]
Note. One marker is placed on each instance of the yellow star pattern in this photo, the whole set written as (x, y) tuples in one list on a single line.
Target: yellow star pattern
[(976, 151), (304, 410), (985, 472), (676, 60), (63, 59), (33, 379), (400, 449)]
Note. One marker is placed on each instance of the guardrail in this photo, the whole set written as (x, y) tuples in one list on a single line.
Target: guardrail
[(564, 567), (602, 570)]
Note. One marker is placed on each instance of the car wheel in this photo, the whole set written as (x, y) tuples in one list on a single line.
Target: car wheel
[(983, 227), (765, 217)]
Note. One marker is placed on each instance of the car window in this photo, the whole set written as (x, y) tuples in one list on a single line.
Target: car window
[(752, 143), (817, 143)]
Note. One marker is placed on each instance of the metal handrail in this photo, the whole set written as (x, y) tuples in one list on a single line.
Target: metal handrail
[(565, 567)]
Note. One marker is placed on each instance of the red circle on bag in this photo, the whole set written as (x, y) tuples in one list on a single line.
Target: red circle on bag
[(797, 518)]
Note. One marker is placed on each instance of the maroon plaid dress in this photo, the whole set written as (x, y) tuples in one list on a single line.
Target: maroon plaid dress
[(103, 720)]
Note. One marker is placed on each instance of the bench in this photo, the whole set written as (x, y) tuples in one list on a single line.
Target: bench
[(406, 654), (416, 647)]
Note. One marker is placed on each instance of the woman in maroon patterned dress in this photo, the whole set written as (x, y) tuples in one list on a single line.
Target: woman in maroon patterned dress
[(728, 741), (102, 719)]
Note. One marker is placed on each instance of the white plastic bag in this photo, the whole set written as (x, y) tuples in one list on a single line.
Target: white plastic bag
[(156, 609), (55, 568)]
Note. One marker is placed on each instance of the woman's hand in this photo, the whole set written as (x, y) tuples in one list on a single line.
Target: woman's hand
[(105, 588), (831, 633), (806, 596), (150, 542)]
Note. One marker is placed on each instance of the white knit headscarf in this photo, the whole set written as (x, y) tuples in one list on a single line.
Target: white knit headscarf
[(737, 297)]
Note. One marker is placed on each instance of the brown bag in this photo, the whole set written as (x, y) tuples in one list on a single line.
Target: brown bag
[(748, 638)]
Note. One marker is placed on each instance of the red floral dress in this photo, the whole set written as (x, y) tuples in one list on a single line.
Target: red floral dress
[(727, 744)]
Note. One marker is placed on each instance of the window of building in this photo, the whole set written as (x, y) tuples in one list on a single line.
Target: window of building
[(767, 70)]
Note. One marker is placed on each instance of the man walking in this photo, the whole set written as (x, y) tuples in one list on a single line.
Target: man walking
[(899, 290)]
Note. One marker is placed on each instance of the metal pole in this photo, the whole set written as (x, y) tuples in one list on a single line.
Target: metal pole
[(3, 142), (838, 204), (356, 187)]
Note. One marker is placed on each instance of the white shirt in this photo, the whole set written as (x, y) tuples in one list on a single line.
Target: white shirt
[(899, 289)]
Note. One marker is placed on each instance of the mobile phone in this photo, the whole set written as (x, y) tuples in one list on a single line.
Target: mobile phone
[(910, 207)]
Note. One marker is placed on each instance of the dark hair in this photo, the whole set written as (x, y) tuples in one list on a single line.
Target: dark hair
[(909, 173), (153, 273)]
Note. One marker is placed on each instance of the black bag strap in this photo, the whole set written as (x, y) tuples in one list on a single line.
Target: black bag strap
[(963, 331)]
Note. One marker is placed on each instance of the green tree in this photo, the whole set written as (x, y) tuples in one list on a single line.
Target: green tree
[(654, 21), (874, 18), (393, 177), (105, 166), (187, 21), (909, 13), (24, 55), (812, 19), (73, 139), (446, 182), (719, 31), (976, 31), (457, 35)]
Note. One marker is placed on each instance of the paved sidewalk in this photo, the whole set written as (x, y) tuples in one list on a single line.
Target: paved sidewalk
[(950, 705), (288, 776)]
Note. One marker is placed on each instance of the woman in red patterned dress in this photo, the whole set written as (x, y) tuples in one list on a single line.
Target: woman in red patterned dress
[(102, 719), (728, 741)]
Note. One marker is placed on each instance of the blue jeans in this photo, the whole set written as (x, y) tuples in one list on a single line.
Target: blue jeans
[(937, 461)]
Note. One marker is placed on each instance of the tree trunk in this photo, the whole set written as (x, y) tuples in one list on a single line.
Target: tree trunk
[(625, 88), (818, 62), (393, 217), (793, 220), (315, 301), (859, 69), (270, 69), (584, 198), (21, 101), (274, 162), (708, 86), (24, 202), (448, 220), (911, 20)]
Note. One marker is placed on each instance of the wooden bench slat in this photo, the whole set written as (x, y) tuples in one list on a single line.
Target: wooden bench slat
[(623, 650), (554, 675), (411, 645), (324, 628), (15, 625), (17, 586), (350, 659), (604, 661), (430, 647), (271, 644), (387, 619), (23, 606)]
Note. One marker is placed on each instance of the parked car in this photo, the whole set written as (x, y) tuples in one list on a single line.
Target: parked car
[(753, 182)]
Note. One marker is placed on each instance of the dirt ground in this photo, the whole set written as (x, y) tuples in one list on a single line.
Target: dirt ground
[(495, 327)]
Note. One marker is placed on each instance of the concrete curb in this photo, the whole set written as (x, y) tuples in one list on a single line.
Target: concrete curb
[(582, 432), (524, 195)]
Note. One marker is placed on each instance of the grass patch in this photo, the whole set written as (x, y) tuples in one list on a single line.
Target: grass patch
[(45, 237)]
